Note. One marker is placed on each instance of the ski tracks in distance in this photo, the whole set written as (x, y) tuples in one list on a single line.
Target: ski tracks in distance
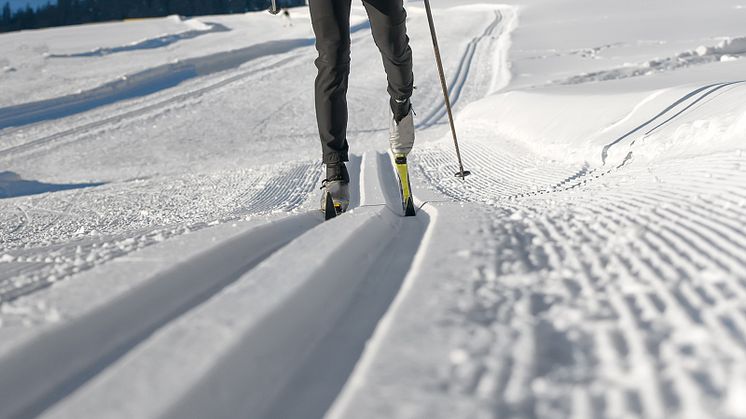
[(461, 75), (222, 69)]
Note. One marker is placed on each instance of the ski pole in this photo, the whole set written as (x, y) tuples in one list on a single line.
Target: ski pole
[(461, 173), (273, 8)]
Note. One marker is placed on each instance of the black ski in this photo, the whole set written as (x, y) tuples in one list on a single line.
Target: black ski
[(329, 210)]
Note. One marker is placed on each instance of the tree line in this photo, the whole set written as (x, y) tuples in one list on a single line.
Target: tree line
[(75, 12)]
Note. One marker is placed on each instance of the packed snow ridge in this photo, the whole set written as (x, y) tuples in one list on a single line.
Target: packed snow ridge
[(162, 253)]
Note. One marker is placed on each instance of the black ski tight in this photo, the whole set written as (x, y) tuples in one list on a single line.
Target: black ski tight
[(331, 24)]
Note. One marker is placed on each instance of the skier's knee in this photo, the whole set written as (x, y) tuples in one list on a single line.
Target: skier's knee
[(334, 54), (391, 37)]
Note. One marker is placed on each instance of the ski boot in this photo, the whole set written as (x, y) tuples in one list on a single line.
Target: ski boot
[(401, 129), (336, 196)]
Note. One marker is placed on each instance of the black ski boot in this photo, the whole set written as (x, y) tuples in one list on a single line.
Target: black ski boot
[(336, 196)]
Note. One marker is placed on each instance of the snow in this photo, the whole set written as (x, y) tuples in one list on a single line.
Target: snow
[(162, 256)]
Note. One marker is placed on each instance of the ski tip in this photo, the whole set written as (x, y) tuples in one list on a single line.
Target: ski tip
[(329, 210), (409, 208)]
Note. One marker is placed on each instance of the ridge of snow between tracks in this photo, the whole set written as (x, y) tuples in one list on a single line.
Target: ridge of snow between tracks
[(317, 299)]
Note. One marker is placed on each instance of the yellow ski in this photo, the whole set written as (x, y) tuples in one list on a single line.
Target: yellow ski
[(405, 188)]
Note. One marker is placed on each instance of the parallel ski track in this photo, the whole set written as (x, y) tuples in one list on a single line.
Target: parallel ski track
[(149, 106), (547, 177), (85, 347), (58, 383), (139, 111), (460, 77), (671, 112), (41, 267), (55, 363)]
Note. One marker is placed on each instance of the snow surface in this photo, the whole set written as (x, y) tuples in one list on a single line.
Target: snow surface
[(162, 255)]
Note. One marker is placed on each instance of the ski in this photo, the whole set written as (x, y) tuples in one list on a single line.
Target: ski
[(330, 210), (405, 189)]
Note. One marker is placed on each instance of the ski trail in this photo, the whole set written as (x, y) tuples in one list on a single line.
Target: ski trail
[(54, 364), (152, 43), (461, 75), (690, 99), (312, 318), (357, 376), (144, 83), (144, 109), (316, 384), (161, 101)]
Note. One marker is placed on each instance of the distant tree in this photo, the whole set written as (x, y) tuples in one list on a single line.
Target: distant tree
[(181, 7), (236, 6), (159, 8), (5, 19), (71, 12)]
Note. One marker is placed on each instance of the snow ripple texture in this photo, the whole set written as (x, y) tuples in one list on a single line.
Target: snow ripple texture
[(49, 237), (629, 280)]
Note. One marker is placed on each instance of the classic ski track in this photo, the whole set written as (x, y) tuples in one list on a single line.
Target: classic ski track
[(139, 111), (39, 268), (692, 225), (156, 42), (557, 177), (680, 106), (436, 112), (56, 362), (289, 59), (643, 337), (336, 343), (460, 77)]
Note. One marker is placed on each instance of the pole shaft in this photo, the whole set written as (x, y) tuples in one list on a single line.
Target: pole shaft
[(443, 84)]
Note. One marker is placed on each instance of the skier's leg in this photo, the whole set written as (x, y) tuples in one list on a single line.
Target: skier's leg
[(331, 24), (388, 21)]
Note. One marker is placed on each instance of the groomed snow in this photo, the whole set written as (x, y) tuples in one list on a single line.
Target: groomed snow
[(162, 255)]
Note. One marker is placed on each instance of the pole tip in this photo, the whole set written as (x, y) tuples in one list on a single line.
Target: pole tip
[(462, 174)]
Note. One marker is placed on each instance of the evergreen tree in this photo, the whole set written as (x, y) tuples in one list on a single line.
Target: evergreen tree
[(5, 19), (71, 12)]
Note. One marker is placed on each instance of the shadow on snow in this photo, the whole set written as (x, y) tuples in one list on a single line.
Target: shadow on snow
[(11, 186)]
